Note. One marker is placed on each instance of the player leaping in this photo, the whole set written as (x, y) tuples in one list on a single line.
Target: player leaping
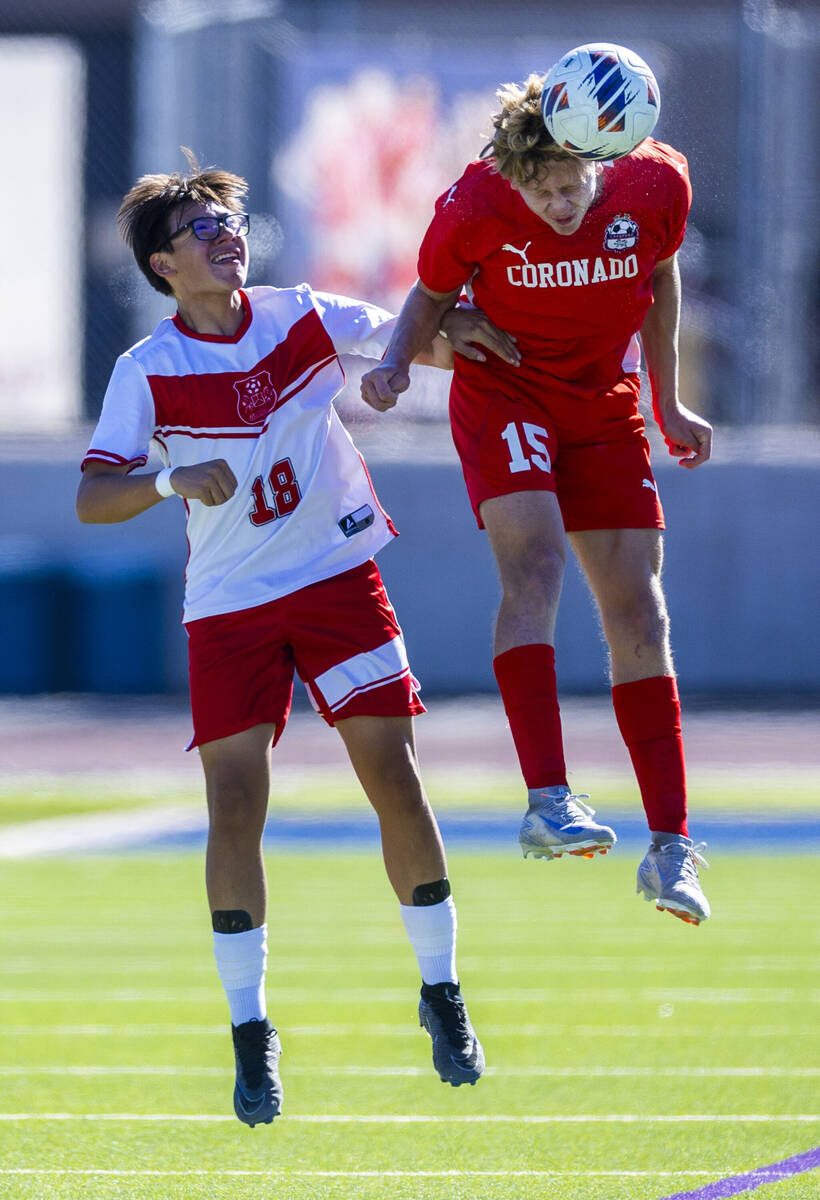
[(557, 445)]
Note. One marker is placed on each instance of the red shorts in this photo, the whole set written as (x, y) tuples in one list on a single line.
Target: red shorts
[(341, 636), (599, 469)]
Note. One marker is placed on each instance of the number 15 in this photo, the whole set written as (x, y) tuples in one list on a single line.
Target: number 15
[(536, 438)]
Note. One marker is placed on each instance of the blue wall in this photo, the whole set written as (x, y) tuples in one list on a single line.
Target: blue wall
[(741, 573)]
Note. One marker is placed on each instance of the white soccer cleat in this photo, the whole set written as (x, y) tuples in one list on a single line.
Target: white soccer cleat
[(669, 876), (557, 822)]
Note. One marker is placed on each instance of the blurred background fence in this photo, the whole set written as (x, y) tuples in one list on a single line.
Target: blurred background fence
[(348, 118)]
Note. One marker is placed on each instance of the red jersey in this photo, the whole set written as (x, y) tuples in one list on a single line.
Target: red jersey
[(575, 303)]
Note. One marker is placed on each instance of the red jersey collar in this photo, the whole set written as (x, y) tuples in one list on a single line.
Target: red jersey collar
[(244, 325)]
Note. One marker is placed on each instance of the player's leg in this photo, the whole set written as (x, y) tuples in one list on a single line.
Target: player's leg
[(623, 567), (383, 754), (382, 751), (237, 784), (241, 680), (351, 654), (527, 537)]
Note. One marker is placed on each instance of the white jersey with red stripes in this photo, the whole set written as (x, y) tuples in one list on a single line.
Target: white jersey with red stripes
[(304, 507)]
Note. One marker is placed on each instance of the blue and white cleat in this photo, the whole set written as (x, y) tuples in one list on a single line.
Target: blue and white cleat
[(457, 1053), (557, 822), (669, 876), (257, 1097)]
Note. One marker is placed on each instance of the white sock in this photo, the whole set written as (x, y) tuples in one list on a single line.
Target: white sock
[(241, 959), (431, 929)]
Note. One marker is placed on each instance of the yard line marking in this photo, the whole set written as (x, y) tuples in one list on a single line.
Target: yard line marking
[(425, 1119), (732, 1186), (142, 960), (705, 995), (287, 1174), (120, 1031), (342, 1028), (500, 1072), (142, 1070), (273, 1173)]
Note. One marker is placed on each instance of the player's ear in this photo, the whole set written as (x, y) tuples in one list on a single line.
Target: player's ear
[(160, 263)]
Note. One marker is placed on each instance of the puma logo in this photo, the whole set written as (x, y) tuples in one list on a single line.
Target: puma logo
[(449, 195), (521, 253)]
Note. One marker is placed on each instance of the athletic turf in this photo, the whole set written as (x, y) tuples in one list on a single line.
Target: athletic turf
[(598, 1015), (717, 792)]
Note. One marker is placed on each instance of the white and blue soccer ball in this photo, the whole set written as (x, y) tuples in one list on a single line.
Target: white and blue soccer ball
[(599, 101)]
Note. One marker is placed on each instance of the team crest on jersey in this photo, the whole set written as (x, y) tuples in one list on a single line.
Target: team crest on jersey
[(621, 234), (256, 398)]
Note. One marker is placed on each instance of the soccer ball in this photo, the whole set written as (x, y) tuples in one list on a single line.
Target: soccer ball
[(599, 101)]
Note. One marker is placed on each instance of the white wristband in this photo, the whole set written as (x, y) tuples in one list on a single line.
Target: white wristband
[(162, 482)]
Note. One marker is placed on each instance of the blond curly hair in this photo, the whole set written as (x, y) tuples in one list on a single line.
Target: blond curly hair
[(522, 145)]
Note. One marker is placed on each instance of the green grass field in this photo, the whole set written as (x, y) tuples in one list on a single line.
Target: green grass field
[(450, 789), (630, 1056)]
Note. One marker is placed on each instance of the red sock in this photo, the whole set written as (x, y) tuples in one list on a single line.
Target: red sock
[(526, 680), (648, 715)]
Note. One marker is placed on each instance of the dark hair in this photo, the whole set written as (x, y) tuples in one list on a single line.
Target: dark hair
[(146, 207)]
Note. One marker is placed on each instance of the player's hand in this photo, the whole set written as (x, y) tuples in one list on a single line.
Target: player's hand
[(212, 482), (382, 386), (687, 435), (468, 329)]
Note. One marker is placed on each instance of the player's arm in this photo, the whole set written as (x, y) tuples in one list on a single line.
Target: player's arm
[(416, 329), (468, 328), (416, 338), (687, 435), (108, 494)]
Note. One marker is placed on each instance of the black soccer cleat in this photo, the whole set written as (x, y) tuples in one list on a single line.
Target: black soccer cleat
[(457, 1053), (257, 1097)]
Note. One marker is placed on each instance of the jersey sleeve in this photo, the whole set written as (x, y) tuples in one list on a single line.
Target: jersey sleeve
[(679, 203), (445, 262), (127, 420), (354, 326)]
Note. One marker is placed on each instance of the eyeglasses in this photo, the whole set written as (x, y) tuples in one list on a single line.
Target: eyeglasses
[(207, 229)]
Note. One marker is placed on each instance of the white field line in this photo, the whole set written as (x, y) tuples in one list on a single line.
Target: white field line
[(146, 964), (287, 1174), (97, 831), (508, 997), (501, 1072), (452, 1174), (418, 1119), (343, 1029)]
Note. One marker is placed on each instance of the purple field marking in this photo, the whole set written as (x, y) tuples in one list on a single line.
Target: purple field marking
[(807, 1161)]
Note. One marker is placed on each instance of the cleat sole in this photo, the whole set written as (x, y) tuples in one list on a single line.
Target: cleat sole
[(582, 850), (681, 913)]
